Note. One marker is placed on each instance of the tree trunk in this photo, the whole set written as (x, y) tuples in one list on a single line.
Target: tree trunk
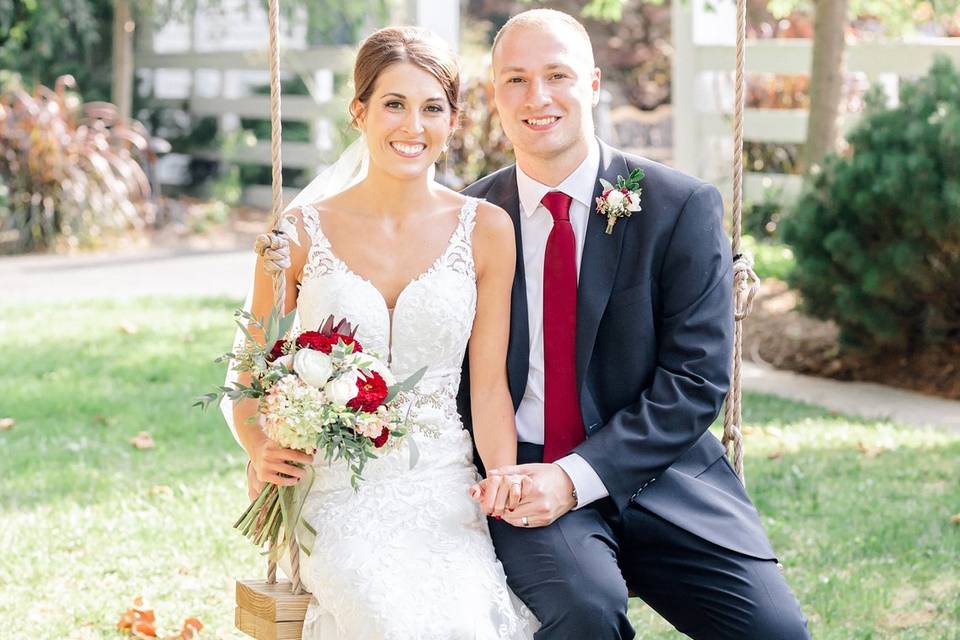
[(122, 87), (826, 80)]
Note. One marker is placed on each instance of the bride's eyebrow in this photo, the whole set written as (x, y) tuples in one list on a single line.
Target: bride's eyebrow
[(403, 97)]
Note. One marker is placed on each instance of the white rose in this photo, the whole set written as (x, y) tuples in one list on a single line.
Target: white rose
[(633, 202), (615, 198), (379, 367), (313, 367), (286, 361), (343, 389), (372, 363)]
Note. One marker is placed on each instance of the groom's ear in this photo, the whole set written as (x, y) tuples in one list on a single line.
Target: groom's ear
[(595, 85)]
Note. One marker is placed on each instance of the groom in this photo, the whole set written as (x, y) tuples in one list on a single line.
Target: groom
[(619, 358)]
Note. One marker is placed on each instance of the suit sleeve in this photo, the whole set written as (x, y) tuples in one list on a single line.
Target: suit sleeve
[(695, 336)]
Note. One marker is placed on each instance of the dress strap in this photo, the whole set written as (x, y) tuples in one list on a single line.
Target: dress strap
[(320, 258), (468, 217)]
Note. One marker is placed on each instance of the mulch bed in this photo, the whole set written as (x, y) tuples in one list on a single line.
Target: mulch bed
[(778, 334)]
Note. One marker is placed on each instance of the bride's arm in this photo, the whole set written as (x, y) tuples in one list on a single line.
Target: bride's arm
[(268, 459), (494, 250)]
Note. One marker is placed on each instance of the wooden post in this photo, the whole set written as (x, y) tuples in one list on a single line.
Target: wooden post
[(122, 80)]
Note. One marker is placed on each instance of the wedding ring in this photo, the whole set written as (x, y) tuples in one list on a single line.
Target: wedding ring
[(525, 522)]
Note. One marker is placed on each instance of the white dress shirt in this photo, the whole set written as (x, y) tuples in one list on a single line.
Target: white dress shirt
[(535, 225)]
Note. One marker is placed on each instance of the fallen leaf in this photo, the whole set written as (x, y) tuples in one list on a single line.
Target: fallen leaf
[(161, 490), (143, 629), (191, 629), (773, 455), (128, 327), (955, 519), (7, 423), (143, 440), (869, 450)]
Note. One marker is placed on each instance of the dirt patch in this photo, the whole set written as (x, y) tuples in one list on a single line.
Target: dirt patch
[(778, 334)]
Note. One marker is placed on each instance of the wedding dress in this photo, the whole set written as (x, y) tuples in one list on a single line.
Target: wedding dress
[(408, 555)]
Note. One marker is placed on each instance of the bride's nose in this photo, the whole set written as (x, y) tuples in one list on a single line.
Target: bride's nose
[(413, 124)]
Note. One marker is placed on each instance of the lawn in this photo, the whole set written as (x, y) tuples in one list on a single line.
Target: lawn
[(859, 510)]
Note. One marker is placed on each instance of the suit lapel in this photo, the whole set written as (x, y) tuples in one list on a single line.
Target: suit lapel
[(504, 194), (598, 264)]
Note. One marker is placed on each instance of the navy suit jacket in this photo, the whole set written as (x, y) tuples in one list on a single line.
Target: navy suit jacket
[(654, 345)]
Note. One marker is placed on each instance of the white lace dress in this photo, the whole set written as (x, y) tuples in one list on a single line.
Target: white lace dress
[(408, 556)]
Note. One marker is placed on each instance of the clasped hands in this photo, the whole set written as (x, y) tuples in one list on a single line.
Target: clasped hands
[(525, 495)]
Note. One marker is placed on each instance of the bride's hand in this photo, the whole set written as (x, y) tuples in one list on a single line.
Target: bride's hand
[(270, 462), (498, 493)]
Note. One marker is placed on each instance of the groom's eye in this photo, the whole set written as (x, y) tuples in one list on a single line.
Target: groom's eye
[(558, 76), (515, 79)]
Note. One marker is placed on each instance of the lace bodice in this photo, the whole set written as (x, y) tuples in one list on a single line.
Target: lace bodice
[(433, 315)]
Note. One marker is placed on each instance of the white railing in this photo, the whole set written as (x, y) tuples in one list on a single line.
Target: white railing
[(702, 92), (209, 93)]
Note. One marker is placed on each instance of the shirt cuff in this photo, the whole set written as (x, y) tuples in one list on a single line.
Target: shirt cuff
[(586, 482)]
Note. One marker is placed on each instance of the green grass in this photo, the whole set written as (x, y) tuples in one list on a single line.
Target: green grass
[(88, 521)]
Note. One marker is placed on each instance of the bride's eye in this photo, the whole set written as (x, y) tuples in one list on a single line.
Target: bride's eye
[(435, 108), (394, 104)]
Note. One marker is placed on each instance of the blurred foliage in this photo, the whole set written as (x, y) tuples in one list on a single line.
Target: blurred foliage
[(877, 231), (761, 218), (889, 17), (478, 146), (45, 39), (71, 171), (770, 259)]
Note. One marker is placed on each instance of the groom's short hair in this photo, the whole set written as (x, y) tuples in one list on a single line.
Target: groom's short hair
[(542, 17)]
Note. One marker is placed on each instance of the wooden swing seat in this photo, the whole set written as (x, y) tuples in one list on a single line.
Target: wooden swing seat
[(270, 611)]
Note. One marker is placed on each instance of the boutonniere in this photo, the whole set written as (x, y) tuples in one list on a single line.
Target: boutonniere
[(620, 200)]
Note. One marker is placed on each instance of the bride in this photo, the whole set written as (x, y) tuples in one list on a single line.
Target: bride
[(421, 271)]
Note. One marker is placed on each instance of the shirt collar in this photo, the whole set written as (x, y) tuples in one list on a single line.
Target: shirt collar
[(579, 185)]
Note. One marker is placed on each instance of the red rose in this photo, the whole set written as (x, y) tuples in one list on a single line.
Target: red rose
[(606, 193), (381, 439), (319, 342), (277, 350), (371, 392)]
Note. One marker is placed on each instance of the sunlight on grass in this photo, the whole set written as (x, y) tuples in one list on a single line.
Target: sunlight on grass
[(859, 510)]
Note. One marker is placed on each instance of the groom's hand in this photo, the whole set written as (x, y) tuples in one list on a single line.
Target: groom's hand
[(547, 496)]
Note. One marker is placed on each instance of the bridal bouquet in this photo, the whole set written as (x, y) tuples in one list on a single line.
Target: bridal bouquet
[(316, 390)]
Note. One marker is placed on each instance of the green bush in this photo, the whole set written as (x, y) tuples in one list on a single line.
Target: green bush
[(876, 232), (69, 171)]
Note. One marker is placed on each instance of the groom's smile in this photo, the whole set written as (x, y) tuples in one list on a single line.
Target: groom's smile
[(541, 124)]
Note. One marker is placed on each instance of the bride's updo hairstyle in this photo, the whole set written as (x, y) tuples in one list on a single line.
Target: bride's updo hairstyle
[(415, 45)]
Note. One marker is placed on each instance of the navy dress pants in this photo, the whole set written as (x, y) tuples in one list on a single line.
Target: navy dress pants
[(575, 573)]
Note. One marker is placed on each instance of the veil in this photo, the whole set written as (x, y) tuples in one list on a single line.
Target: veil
[(349, 169)]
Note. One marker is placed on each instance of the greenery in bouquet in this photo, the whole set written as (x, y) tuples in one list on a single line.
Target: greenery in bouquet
[(316, 390)]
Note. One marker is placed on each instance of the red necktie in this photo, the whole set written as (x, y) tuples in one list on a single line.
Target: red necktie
[(562, 422)]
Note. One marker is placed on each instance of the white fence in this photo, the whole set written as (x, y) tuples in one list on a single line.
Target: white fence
[(217, 85), (703, 93)]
